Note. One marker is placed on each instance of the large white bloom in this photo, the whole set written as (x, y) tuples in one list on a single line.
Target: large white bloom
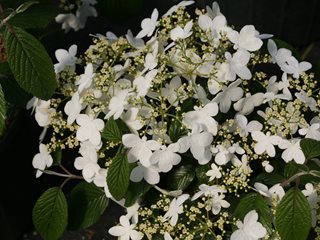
[(265, 143), (125, 231), (166, 157), (42, 160), (250, 229), (292, 151)]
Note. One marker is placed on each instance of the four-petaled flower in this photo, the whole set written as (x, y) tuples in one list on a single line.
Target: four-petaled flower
[(125, 231), (89, 129), (42, 160), (265, 143), (148, 25), (175, 208)]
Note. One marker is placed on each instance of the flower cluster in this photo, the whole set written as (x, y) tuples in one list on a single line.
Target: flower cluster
[(207, 119)]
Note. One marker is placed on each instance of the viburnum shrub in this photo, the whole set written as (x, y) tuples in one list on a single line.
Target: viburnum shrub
[(197, 130)]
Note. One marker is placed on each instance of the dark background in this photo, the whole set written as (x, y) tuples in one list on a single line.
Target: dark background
[(295, 21)]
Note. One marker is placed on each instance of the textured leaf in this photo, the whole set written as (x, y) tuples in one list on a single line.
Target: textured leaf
[(50, 214), (269, 178), (30, 63), (118, 176), (87, 203), (310, 148), (292, 168), (135, 190), (111, 131), (2, 111), (181, 178), (57, 155), (293, 216), (254, 201)]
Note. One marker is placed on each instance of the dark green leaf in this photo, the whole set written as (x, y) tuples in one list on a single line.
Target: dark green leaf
[(310, 148), (50, 214), (135, 190), (293, 216), (254, 201), (269, 178), (181, 178), (37, 16), (57, 155), (176, 131), (87, 203), (30, 63), (292, 168), (111, 131), (2, 111), (24, 6), (118, 176), (201, 173)]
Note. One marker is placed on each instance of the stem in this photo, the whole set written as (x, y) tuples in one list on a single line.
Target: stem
[(294, 177), (71, 176), (65, 170), (307, 51)]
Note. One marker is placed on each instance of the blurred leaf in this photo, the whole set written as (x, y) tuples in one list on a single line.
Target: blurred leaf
[(176, 131), (135, 190), (87, 203), (180, 178), (24, 6), (269, 179), (30, 63)]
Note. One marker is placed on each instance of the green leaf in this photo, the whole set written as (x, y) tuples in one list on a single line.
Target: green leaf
[(269, 178), (134, 191), (50, 214), (293, 216), (30, 63), (310, 148), (87, 203), (111, 131), (201, 173), (24, 6), (254, 201), (292, 168), (57, 155), (2, 111), (37, 16), (118, 176), (176, 131), (181, 178)]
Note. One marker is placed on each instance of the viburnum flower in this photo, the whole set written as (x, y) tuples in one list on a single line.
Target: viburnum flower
[(201, 118), (143, 83), (267, 166), (265, 143), (85, 80), (246, 105), (140, 148), (43, 113), (181, 33), (311, 193), (170, 91), (214, 172), (247, 38), (250, 229), (148, 25), (274, 194), (89, 129), (131, 119), (311, 131), (73, 108), (221, 154), (166, 157), (42, 160), (228, 95), (68, 21), (175, 208), (292, 151), (245, 127), (86, 10), (150, 174), (125, 231), (66, 58), (307, 100)]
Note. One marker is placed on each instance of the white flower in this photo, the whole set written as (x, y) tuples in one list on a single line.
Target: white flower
[(170, 91), (311, 193), (235, 65), (265, 143), (309, 101), (175, 208), (167, 236), (43, 113), (311, 131), (245, 127), (214, 172), (125, 231), (228, 95), (292, 151), (247, 104), (73, 108), (130, 118), (150, 174), (166, 157), (100, 178), (250, 229), (176, 7), (140, 148), (86, 10), (143, 84), (66, 58), (274, 194), (181, 33), (222, 154), (42, 160), (267, 166), (214, 11), (202, 119), (208, 191), (69, 21), (199, 144), (85, 80), (247, 39), (89, 129), (117, 104), (148, 25)]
